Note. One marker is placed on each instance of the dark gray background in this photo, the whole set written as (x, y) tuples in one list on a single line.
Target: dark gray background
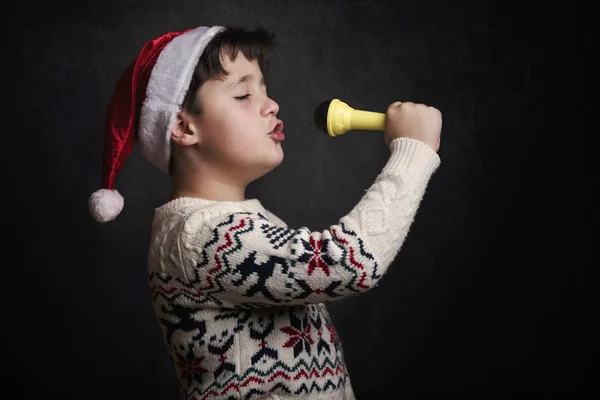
[(491, 296)]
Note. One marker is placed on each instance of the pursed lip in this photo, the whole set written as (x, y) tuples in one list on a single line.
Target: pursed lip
[(278, 127)]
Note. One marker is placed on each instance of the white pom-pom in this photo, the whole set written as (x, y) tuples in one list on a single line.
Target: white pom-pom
[(105, 205)]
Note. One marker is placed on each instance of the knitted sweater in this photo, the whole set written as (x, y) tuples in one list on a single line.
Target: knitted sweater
[(239, 295)]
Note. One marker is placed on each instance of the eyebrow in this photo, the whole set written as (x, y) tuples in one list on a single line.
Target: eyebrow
[(247, 78)]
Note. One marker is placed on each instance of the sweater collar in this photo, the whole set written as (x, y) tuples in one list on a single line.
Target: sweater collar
[(198, 201)]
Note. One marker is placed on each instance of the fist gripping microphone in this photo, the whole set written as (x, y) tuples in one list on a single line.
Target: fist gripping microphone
[(334, 118)]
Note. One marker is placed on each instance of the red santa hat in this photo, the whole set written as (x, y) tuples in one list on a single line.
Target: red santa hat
[(143, 108)]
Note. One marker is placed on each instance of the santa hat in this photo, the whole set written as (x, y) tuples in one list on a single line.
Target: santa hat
[(144, 106)]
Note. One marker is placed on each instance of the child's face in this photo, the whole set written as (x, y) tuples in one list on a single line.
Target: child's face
[(235, 131)]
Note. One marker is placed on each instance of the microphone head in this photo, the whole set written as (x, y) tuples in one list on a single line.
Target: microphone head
[(320, 116)]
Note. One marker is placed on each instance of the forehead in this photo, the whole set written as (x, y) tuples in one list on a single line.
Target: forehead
[(241, 70), (240, 62)]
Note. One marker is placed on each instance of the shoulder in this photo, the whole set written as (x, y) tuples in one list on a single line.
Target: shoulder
[(179, 233), (198, 222)]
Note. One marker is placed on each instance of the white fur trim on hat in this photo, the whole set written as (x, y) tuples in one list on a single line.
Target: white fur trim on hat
[(167, 86)]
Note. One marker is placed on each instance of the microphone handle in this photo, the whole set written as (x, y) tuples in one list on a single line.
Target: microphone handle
[(367, 121)]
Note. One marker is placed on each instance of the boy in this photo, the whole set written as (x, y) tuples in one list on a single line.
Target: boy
[(238, 295)]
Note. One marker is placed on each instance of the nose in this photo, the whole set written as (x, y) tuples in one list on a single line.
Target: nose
[(271, 107)]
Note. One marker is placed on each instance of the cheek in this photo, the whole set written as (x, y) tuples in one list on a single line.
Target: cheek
[(236, 134), (242, 126), (236, 130)]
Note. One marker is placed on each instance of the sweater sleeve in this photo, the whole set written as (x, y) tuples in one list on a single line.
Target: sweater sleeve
[(244, 260)]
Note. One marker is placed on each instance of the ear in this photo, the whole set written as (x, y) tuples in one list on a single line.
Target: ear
[(185, 131)]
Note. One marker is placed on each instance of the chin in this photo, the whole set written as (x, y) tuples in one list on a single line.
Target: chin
[(282, 156), (279, 151), (272, 158), (276, 161)]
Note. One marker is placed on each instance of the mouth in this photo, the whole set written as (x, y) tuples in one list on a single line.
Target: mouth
[(278, 128), (277, 132)]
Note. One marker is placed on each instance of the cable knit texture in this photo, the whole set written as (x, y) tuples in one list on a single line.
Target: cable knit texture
[(240, 297)]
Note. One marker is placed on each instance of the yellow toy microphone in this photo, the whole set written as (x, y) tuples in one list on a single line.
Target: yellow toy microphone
[(334, 118)]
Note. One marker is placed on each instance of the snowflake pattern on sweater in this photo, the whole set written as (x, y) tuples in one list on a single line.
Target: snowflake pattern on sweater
[(240, 297), (287, 267), (296, 348)]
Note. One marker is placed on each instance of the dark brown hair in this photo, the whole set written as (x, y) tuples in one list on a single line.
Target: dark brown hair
[(255, 45)]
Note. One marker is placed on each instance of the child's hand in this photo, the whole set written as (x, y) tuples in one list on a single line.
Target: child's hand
[(417, 121)]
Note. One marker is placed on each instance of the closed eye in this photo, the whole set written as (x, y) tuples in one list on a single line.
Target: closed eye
[(242, 98)]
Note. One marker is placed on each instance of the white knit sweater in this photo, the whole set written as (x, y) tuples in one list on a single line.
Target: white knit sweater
[(240, 297)]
